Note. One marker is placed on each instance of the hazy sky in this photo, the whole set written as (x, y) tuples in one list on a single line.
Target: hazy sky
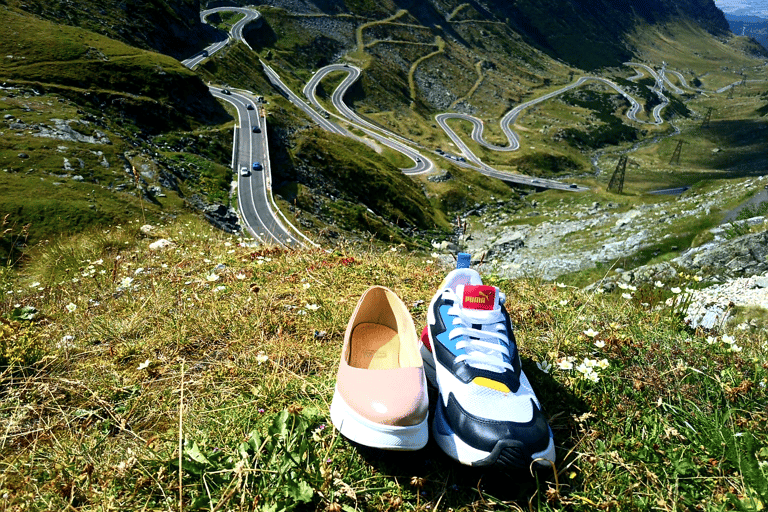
[(755, 7)]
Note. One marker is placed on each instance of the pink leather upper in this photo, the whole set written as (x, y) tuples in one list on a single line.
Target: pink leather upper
[(395, 397)]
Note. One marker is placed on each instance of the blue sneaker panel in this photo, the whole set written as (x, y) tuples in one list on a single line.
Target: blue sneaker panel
[(463, 260)]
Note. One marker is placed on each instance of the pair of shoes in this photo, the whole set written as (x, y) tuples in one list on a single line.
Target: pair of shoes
[(381, 397), (486, 414)]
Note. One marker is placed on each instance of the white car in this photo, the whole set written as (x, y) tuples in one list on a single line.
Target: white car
[(244, 171)]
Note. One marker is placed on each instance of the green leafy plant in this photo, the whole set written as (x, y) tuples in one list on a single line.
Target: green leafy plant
[(278, 469)]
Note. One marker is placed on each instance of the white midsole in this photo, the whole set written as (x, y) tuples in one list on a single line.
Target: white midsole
[(376, 435)]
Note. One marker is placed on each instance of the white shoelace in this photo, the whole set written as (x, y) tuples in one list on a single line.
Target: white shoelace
[(485, 348)]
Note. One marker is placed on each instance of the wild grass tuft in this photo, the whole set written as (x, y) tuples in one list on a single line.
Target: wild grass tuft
[(199, 378)]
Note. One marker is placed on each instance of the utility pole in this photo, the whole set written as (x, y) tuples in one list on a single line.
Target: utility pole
[(675, 160), (707, 118), (730, 92), (617, 180), (743, 79)]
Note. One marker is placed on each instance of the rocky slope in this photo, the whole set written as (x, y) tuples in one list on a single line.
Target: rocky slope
[(558, 238)]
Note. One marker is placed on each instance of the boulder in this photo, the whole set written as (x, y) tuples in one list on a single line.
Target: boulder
[(162, 244), (744, 256)]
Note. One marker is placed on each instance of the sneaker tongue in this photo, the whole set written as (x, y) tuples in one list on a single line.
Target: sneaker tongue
[(479, 297)]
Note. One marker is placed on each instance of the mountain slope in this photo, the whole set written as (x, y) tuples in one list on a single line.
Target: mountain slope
[(170, 27), (587, 34)]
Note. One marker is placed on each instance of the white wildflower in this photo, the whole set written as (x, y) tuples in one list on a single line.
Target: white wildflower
[(591, 333), (544, 366), (306, 286), (213, 276), (261, 358), (729, 340), (561, 285), (735, 348), (312, 307), (71, 307), (592, 376), (626, 296), (658, 284), (603, 364), (600, 344), (563, 302), (240, 276), (144, 365), (126, 282), (565, 364), (675, 290)]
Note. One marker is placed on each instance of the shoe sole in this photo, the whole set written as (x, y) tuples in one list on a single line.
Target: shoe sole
[(507, 454), (376, 435)]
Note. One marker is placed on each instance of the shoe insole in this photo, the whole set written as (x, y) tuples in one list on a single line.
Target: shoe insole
[(374, 347)]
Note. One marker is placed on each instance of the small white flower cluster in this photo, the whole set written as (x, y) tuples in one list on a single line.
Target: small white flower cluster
[(625, 286), (307, 307), (588, 368), (126, 283), (726, 340), (260, 260)]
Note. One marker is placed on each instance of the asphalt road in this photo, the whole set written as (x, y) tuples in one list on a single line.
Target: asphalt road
[(257, 209), (421, 164), (235, 33), (255, 205)]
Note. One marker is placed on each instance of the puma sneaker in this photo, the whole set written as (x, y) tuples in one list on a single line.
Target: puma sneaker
[(486, 413), (381, 397)]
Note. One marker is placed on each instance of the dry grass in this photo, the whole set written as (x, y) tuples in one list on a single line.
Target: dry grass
[(221, 358)]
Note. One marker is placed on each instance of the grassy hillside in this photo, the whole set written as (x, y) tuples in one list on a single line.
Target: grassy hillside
[(170, 27), (125, 78), (200, 377)]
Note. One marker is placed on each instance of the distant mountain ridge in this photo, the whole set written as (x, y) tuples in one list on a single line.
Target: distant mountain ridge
[(752, 26), (588, 34)]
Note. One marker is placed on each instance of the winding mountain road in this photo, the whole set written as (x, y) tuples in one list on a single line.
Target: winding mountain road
[(261, 219)]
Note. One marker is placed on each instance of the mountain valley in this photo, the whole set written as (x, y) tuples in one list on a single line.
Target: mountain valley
[(169, 145)]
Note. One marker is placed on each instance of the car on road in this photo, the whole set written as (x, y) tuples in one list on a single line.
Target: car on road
[(225, 91), (255, 129), (245, 172), (573, 185), (204, 53), (249, 107), (257, 166)]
